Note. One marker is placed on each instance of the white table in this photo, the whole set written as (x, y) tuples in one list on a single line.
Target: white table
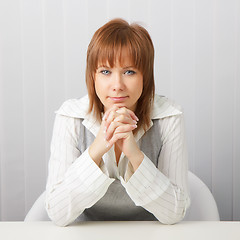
[(120, 230)]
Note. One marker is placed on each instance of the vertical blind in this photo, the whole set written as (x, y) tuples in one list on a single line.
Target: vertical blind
[(43, 47)]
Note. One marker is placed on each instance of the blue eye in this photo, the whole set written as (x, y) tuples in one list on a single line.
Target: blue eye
[(105, 72), (130, 72)]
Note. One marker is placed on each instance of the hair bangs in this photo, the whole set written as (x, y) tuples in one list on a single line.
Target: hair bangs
[(115, 48)]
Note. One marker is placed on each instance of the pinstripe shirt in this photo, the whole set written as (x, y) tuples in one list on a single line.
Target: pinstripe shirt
[(75, 183)]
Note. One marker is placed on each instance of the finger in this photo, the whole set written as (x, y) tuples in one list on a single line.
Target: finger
[(123, 115), (125, 119), (118, 136), (106, 114), (112, 113), (128, 111), (110, 118), (111, 129), (125, 128), (117, 127)]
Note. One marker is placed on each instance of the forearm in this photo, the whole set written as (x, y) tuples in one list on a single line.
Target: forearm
[(80, 187), (170, 207), (152, 190), (136, 157), (95, 153)]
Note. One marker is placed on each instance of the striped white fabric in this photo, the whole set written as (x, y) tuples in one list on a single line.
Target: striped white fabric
[(75, 182)]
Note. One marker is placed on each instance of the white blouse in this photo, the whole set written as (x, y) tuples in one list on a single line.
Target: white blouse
[(75, 182)]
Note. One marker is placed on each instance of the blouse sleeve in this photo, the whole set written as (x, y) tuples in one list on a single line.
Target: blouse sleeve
[(74, 182), (163, 190)]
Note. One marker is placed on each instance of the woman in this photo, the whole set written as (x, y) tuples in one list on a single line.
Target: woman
[(118, 153)]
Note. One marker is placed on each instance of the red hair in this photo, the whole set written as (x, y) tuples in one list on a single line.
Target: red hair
[(106, 46)]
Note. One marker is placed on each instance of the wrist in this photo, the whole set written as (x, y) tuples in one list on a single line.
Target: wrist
[(95, 155), (136, 159)]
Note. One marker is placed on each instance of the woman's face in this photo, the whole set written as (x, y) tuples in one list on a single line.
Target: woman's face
[(121, 85)]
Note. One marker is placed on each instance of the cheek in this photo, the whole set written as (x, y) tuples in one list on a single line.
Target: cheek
[(97, 85), (140, 90), (100, 89), (139, 87)]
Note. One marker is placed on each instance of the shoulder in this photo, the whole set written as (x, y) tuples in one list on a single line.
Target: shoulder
[(76, 108), (164, 107)]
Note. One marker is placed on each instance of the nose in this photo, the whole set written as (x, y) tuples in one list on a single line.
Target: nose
[(118, 83)]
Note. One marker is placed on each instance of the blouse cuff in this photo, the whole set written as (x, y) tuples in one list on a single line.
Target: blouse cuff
[(91, 175), (139, 186)]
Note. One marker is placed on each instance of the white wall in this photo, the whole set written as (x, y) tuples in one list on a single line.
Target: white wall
[(42, 62)]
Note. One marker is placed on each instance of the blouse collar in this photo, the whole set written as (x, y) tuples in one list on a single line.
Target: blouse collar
[(78, 108)]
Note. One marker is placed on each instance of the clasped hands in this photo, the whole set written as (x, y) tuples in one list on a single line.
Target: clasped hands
[(116, 128), (118, 124)]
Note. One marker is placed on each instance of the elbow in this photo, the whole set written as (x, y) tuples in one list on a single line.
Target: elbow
[(56, 219), (53, 216), (57, 214), (174, 215), (171, 218)]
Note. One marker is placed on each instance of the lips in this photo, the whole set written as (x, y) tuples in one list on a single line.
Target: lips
[(118, 99)]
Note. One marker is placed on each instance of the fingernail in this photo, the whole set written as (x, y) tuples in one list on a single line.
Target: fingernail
[(135, 122), (136, 118), (135, 126)]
